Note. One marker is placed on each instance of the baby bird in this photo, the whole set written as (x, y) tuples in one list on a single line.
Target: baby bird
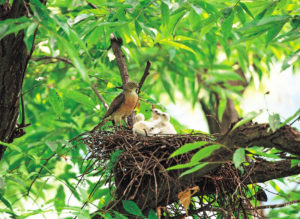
[(140, 127), (164, 126), (155, 115), (139, 117)]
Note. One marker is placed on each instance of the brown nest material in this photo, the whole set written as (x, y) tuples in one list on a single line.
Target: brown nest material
[(139, 174)]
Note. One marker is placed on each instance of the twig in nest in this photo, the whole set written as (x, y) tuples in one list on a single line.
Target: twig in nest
[(146, 73)]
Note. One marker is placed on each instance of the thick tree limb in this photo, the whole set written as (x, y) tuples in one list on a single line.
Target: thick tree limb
[(13, 64), (285, 139), (262, 171), (116, 47), (250, 134)]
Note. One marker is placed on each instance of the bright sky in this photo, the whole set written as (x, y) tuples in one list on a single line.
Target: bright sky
[(284, 98)]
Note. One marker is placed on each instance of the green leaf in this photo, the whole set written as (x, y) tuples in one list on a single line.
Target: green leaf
[(204, 152), (9, 26), (138, 27), (244, 6), (238, 157), (240, 14), (56, 102), (6, 202), (194, 169), (188, 147), (273, 32), (168, 86), (52, 145), (176, 45), (83, 194), (29, 35), (290, 60), (222, 107), (250, 116), (274, 121), (256, 27), (79, 97), (132, 208), (164, 13), (60, 197), (182, 166), (208, 24), (226, 26), (296, 114), (174, 19), (294, 163), (259, 151), (151, 215), (226, 76)]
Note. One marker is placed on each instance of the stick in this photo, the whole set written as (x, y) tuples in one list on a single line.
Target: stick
[(274, 206), (146, 73), (68, 61), (100, 97)]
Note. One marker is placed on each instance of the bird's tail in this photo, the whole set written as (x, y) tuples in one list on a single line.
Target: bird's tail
[(105, 120)]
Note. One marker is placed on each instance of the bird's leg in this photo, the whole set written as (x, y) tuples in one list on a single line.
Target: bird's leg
[(127, 124)]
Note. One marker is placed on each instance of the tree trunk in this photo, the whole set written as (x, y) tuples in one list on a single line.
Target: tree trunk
[(13, 62)]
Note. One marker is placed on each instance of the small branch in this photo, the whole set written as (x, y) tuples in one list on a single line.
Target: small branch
[(92, 5), (146, 73), (274, 206), (47, 160), (116, 47), (100, 97), (53, 58), (38, 174)]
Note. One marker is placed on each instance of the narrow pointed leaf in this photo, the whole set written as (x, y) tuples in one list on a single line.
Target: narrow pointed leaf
[(205, 152), (188, 147)]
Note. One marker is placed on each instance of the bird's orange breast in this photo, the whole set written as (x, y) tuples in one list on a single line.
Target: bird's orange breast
[(129, 105)]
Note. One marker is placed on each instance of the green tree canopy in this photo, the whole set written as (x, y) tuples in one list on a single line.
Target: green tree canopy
[(209, 51)]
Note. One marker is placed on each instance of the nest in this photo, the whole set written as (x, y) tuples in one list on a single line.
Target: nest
[(138, 171)]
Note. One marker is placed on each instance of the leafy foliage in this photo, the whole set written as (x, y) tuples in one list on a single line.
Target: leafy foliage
[(194, 47)]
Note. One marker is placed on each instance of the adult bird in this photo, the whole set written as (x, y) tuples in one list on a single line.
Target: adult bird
[(122, 106)]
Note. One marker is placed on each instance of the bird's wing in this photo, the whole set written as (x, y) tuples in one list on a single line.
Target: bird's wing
[(115, 104)]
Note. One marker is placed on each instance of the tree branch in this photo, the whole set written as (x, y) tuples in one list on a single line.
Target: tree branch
[(262, 171), (274, 206), (53, 58), (99, 97), (116, 47), (146, 73), (285, 138)]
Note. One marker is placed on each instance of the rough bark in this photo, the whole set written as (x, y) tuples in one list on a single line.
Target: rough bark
[(13, 61)]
